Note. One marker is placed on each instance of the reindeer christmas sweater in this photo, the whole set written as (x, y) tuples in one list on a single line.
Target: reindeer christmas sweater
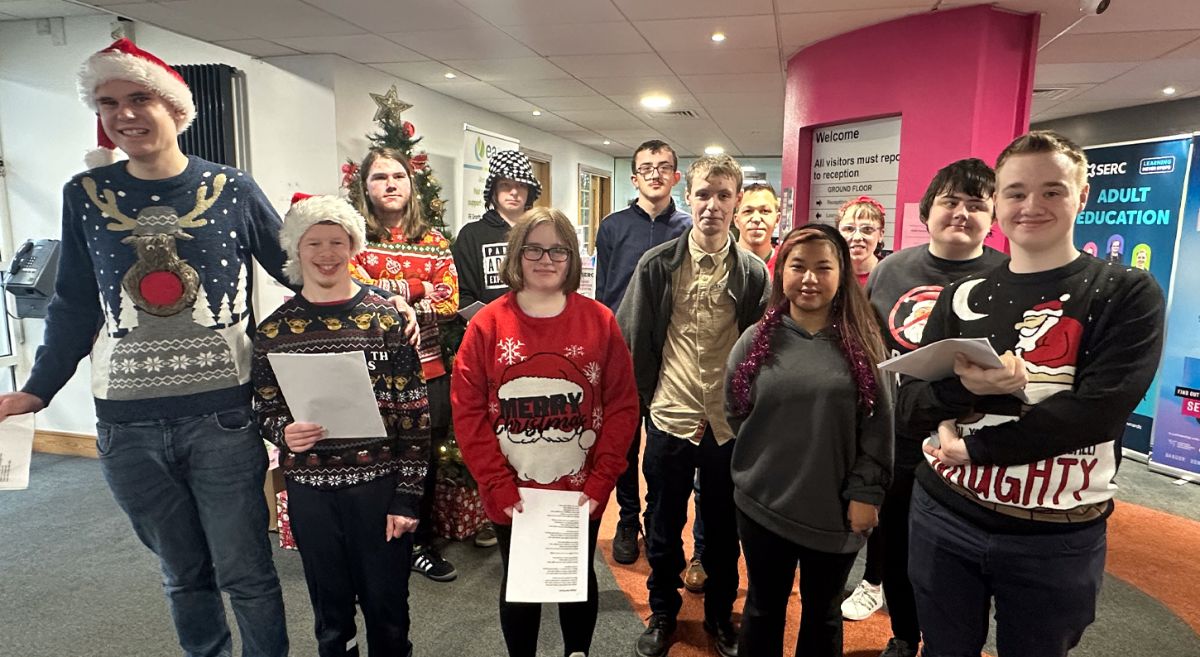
[(543, 402), (154, 282), (363, 323), (1090, 333)]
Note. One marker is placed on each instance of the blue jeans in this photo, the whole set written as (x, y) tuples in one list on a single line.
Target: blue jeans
[(193, 489), (1045, 585)]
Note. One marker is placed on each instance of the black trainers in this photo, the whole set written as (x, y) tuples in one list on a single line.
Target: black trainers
[(724, 635), (655, 641), (429, 563), (899, 648), (625, 544)]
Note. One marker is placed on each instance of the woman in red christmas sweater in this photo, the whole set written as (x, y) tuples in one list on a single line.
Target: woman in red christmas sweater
[(544, 397), (405, 255)]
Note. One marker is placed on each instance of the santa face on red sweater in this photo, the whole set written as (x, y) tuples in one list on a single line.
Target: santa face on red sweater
[(545, 422)]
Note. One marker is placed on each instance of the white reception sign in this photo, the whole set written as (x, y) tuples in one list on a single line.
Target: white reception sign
[(851, 160)]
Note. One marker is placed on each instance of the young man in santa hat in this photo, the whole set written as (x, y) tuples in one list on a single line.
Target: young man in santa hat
[(343, 491), (1018, 480), (957, 211), (154, 283)]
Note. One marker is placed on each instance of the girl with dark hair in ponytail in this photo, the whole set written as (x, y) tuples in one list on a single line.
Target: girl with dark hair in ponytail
[(813, 454)]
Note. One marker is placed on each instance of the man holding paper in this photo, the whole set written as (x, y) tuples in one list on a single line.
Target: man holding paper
[(354, 495), (1013, 498)]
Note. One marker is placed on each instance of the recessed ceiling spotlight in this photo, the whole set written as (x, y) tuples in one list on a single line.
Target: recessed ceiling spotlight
[(714, 150), (449, 76), (656, 102), (607, 142), (718, 37), (537, 112), (1169, 91)]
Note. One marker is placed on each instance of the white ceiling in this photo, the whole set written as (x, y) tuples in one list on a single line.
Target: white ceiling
[(585, 64)]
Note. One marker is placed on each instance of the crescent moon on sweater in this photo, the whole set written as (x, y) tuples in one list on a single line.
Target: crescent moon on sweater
[(961, 308)]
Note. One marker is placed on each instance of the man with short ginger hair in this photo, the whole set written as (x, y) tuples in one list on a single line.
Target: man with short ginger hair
[(689, 300)]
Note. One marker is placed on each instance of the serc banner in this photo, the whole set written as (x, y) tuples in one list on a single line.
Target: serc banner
[(1132, 218)]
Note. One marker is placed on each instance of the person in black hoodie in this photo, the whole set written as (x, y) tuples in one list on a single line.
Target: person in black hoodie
[(510, 190)]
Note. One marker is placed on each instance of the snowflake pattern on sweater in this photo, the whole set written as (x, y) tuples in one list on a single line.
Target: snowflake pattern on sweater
[(530, 410), (154, 283)]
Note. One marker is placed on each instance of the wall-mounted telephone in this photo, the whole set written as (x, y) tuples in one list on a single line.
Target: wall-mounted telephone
[(31, 277)]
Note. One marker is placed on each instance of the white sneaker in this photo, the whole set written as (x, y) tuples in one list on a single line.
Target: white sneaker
[(864, 601)]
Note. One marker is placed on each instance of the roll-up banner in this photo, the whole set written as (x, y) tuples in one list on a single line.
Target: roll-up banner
[(478, 146), (1132, 218), (1176, 449)]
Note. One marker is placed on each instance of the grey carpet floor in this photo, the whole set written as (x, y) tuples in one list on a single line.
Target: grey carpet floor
[(75, 581)]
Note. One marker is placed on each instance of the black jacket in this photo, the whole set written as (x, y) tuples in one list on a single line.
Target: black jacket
[(478, 255), (645, 312)]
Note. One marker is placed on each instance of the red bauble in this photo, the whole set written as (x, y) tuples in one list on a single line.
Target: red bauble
[(409, 129), (419, 161)]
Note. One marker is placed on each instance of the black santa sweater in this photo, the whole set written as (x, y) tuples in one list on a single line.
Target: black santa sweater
[(1091, 333)]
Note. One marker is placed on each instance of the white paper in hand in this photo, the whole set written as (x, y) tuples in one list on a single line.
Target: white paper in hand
[(16, 450), (548, 559), (935, 362), (347, 409)]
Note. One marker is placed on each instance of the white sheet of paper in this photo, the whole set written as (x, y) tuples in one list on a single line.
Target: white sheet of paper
[(16, 450), (469, 312), (332, 390), (548, 559), (935, 361)]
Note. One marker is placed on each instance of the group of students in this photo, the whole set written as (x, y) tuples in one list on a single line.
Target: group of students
[(752, 365)]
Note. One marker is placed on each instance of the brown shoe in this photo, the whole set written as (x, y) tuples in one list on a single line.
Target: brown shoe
[(694, 577)]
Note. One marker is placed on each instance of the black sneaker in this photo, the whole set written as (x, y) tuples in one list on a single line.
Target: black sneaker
[(724, 635), (625, 544), (899, 648), (429, 563), (655, 641)]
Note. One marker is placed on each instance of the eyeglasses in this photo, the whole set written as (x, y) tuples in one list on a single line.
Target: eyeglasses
[(557, 253), (865, 231), (663, 170)]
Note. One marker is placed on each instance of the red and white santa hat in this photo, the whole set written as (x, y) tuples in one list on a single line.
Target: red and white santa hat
[(1052, 308), (307, 211), (542, 375), (125, 61)]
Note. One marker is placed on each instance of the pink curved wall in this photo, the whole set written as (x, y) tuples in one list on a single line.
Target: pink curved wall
[(961, 79)]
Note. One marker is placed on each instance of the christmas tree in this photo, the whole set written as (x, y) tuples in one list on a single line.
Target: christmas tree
[(398, 134)]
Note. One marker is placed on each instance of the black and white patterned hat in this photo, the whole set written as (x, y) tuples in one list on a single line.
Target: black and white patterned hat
[(510, 165)]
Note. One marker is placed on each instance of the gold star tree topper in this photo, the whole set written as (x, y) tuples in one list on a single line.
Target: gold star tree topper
[(390, 106)]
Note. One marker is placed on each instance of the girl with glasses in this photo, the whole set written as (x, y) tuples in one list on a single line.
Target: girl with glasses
[(861, 222), (544, 397)]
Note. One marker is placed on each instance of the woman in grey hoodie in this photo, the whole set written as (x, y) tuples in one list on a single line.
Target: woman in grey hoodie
[(813, 454)]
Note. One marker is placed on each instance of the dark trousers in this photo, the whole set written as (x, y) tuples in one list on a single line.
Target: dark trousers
[(771, 566), (520, 621), (893, 522), (438, 391), (670, 465), (1045, 585), (873, 571), (341, 537), (629, 497)]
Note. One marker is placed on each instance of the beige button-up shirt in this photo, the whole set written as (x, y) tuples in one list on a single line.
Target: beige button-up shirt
[(703, 328)]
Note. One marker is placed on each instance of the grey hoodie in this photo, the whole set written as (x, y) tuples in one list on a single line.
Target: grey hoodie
[(804, 450)]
